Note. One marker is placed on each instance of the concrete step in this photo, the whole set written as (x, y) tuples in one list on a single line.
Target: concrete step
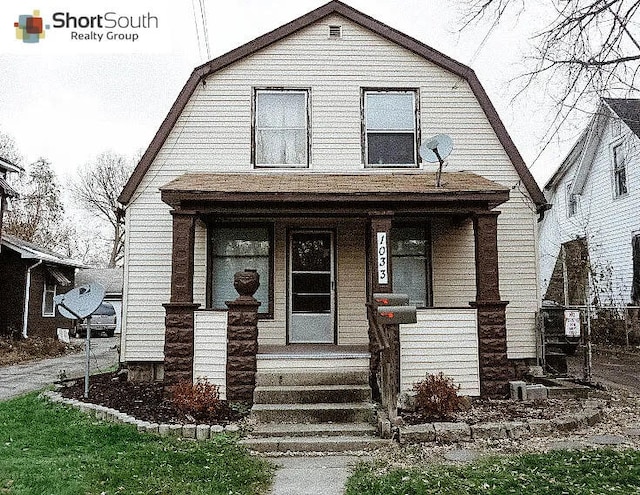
[(307, 394), (346, 412), (316, 377), (313, 430), (314, 444)]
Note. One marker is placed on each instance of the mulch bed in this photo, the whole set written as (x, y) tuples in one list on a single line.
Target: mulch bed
[(144, 401)]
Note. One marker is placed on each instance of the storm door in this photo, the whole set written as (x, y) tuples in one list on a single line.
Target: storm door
[(311, 288)]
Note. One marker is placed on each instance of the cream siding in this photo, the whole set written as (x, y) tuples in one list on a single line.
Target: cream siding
[(210, 348), (213, 134), (442, 340)]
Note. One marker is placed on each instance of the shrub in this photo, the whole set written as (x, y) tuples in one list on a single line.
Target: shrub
[(436, 397), (200, 400)]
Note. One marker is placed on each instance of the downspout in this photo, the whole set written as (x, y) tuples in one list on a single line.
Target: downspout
[(27, 294)]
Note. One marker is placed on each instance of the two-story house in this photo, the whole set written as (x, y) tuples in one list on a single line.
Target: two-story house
[(294, 155), (596, 199)]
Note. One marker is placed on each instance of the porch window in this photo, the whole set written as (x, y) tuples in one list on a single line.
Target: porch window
[(411, 262), (390, 128), (281, 128), (49, 292), (235, 249), (619, 172)]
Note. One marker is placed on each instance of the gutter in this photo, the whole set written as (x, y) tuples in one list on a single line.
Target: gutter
[(27, 294)]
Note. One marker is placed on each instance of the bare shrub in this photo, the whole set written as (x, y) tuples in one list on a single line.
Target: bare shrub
[(200, 400), (437, 397)]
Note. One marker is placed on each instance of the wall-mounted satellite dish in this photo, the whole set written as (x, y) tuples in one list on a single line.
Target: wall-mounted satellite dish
[(435, 150), (81, 301)]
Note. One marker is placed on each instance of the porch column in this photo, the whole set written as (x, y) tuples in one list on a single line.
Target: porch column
[(179, 320), (385, 363), (495, 370)]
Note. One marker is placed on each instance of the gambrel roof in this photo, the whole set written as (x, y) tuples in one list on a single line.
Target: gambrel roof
[(628, 110), (387, 32)]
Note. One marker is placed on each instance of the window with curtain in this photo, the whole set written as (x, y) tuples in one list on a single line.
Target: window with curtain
[(49, 292), (411, 263), (235, 249), (390, 128), (281, 128)]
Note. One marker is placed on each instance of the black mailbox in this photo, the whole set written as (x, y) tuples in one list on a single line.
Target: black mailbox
[(396, 315), (390, 299)]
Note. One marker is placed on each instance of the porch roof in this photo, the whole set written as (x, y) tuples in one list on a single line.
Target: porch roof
[(197, 190)]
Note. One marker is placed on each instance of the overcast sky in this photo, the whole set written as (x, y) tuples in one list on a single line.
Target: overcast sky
[(68, 106)]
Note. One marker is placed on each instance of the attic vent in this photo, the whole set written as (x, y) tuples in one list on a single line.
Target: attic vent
[(335, 32)]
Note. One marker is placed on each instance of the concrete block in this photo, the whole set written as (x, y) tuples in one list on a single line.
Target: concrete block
[(518, 390), (540, 427), (189, 431), (593, 416), (452, 432), (202, 432), (417, 433), (142, 425), (152, 428), (516, 429), (536, 371), (175, 430), (216, 430), (232, 428), (537, 392), (163, 430), (566, 424), (487, 431)]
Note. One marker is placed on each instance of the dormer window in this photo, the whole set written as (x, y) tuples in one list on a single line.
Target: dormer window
[(390, 128)]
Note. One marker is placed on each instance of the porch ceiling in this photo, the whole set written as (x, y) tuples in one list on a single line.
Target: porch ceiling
[(396, 191)]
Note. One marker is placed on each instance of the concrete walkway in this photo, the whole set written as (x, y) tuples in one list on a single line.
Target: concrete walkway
[(324, 475), (20, 379)]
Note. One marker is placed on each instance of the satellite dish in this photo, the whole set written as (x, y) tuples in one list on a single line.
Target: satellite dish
[(436, 149), (81, 301)]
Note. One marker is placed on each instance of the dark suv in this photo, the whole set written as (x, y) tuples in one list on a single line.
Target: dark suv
[(103, 319)]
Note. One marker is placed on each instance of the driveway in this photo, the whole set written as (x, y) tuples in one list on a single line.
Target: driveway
[(20, 379), (615, 368)]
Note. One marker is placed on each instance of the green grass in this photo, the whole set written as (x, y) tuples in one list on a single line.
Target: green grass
[(555, 473), (49, 449)]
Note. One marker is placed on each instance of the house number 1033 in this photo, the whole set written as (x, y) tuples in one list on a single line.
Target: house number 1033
[(383, 259)]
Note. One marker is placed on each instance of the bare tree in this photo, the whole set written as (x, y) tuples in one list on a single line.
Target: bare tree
[(589, 50), (8, 149), (38, 214), (97, 187)]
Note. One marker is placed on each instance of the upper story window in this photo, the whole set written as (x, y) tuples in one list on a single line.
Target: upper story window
[(281, 130), (619, 172), (572, 201), (390, 135), (616, 127)]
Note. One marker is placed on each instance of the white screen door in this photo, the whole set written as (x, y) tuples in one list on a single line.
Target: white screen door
[(311, 288)]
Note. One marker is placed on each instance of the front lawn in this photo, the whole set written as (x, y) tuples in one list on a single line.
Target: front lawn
[(49, 449), (555, 473)]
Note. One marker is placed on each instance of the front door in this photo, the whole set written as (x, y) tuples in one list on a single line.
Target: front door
[(311, 288)]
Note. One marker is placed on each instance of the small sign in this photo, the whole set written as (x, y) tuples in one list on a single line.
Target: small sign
[(572, 323), (383, 259)]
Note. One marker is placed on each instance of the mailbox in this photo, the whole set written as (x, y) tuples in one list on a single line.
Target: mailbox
[(390, 299), (396, 315)]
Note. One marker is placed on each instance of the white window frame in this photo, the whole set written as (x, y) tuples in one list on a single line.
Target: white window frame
[(617, 192), (414, 130), (427, 258), (572, 201), (46, 291), (256, 129)]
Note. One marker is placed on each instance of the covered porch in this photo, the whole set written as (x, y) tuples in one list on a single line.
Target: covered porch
[(326, 260)]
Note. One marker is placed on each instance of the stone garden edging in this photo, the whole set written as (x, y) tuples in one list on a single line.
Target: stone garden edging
[(190, 431), (462, 432)]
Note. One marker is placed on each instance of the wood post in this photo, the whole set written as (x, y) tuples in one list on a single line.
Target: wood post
[(179, 320), (495, 370)]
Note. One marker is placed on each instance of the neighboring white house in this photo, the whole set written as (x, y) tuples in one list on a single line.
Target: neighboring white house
[(595, 195), (284, 156)]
